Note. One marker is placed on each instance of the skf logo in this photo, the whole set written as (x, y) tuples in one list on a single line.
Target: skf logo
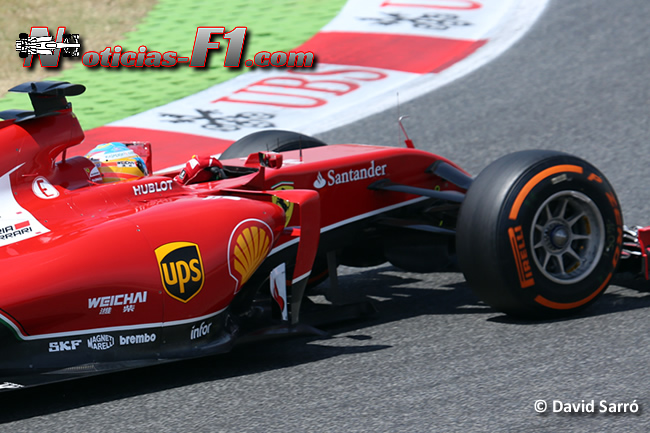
[(181, 269), (248, 247), (521, 257), (64, 346)]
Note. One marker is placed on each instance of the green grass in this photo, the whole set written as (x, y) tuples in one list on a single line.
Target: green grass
[(116, 93)]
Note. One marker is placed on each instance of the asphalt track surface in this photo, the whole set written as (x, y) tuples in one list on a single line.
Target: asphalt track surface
[(435, 358)]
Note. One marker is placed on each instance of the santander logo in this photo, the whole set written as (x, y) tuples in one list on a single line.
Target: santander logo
[(352, 175), (319, 182)]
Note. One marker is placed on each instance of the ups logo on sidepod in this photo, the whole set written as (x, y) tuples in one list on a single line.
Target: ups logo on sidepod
[(181, 269)]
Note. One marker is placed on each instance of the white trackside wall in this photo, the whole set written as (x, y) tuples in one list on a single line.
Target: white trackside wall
[(367, 55)]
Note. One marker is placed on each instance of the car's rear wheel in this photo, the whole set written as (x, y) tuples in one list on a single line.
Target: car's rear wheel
[(273, 140), (539, 234)]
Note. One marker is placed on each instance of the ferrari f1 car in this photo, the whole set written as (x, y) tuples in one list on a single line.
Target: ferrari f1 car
[(45, 45), (99, 277)]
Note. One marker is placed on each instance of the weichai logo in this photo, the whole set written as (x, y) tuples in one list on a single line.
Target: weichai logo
[(181, 269)]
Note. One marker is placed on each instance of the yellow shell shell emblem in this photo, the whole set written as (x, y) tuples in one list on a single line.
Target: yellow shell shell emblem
[(250, 243)]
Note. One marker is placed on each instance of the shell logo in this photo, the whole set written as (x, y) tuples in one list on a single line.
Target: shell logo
[(250, 243)]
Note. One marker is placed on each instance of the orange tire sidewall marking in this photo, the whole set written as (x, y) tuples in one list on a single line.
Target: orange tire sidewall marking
[(595, 177), (567, 306), (514, 211), (521, 257)]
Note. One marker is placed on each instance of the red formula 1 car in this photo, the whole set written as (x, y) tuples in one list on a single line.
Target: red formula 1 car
[(105, 276)]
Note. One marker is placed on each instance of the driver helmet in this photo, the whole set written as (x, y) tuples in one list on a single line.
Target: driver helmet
[(116, 162)]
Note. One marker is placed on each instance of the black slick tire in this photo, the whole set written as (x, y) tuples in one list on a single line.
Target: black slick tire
[(539, 234)]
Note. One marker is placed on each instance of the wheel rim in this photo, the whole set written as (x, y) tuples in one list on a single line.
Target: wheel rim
[(567, 236)]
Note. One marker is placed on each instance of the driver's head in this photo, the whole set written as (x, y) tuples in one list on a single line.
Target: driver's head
[(116, 162)]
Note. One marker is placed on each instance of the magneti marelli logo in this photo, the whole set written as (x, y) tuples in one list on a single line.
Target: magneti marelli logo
[(49, 49)]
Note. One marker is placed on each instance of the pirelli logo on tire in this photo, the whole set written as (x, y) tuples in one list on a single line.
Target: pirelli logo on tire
[(181, 269), (521, 257)]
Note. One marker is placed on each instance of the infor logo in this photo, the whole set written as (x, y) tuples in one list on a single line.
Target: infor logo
[(181, 269)]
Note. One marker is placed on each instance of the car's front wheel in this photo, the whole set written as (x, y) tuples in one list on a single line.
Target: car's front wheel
[(539, 234)]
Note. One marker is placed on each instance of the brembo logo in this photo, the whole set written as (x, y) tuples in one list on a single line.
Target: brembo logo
[(181, 269), (126, 340)]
